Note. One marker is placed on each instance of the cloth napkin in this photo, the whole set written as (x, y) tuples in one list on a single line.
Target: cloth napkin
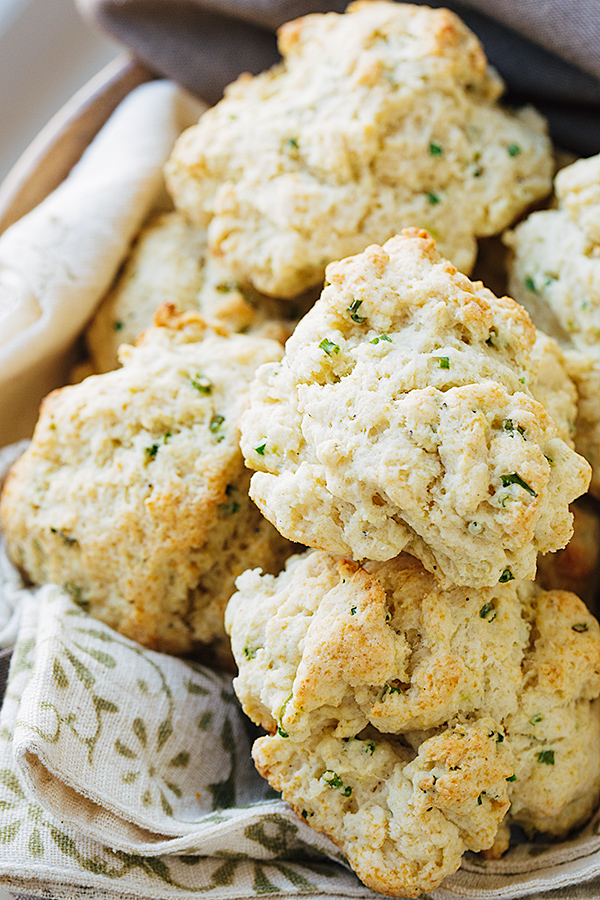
[(57, 262), (548, 51)]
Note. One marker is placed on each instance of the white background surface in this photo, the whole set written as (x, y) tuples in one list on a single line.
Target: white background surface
[(47, 52)]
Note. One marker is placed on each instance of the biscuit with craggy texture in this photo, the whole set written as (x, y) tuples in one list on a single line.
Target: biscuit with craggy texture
[(555, 274), (170, 262), (403, 417), (378, 119), (402, 819), (350, 667), (133, 493)]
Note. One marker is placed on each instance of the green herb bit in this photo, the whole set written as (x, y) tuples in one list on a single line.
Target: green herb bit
[(151, 451), (353, 310), (550, 460), (381, 337), (507, 575), (347, 792), (226, 286), (433, 198), (546, 756), (329, 347), (435, 149), (499, 737), (580, 627), (332, 779), (260, 449), (292, 143), (513, 478), (387, 617), (535, 720), (69, 541), (281, 732), (444, 362), (513, 149), (480, 800), (370, 748), (513, 777), (485, 610), (353, 611), (202, 384), (390, 689), (509, 426), (306, 814), (118, 326), (216, 422), (492, 335), (530, 284), (250, 654)]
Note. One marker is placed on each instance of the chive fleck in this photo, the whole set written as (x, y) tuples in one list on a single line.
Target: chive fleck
[(433, 198), (485, 611), (353, 611), (390, 689), (435, 149), (118, 326), (249, 654), (370, 748), (381, 337), (282, 733), (479, 800), (530, 284), (513, 478), (444, 362), (151, 451), (216, 422), (513, 777), (536, 719), (507, 575), (347, 791), (202, 383), (329, 347), (260, 449), (546, 756), (580, 627), (513, 149), (292, 143), (353, 310), (332, 779), (509, 426)]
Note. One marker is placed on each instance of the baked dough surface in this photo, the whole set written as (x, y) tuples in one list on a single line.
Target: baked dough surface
[(378, 119), (133, 493), (402, 416)]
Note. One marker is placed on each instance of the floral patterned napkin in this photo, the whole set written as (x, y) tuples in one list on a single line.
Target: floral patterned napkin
[(130, 771)]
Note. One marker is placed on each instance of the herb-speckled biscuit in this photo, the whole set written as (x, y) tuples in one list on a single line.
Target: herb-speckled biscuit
[(406, 718), (402, 416), (378, 119), (555, 274), (170, 262), (133, 494)]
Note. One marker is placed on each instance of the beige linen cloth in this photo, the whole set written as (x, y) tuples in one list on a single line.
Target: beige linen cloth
[(125, 773)]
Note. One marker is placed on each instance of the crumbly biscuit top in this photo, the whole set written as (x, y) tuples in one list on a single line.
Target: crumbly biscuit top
[(401, 418), (428, 711), (378, 119)]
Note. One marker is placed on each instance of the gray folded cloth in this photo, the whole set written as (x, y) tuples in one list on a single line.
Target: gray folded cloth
[(548, 51)]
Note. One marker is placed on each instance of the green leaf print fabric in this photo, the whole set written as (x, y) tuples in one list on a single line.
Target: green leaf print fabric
[(130, 771)]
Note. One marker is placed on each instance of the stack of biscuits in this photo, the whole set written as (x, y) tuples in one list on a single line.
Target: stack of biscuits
[(422, 686)]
